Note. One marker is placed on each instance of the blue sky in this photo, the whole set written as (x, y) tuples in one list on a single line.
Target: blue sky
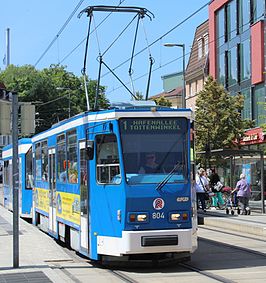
[(34, 24)]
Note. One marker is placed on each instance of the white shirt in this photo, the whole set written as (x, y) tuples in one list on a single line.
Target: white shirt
[(201, 182)]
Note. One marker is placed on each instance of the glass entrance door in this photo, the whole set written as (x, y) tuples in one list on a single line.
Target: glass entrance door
[(84, 198), (52, 192)]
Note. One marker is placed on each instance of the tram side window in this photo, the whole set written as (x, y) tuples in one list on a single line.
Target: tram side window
[(44, 150), (72, 157), (61, 159), (108, 167), (7, 167), (38, 162), (29, 170)]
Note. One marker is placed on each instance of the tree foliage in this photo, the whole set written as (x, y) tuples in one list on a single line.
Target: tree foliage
[(162, 101), (218, 118), (51, 90)]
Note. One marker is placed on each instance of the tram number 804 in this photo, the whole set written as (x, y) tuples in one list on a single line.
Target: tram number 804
[(157, 215)]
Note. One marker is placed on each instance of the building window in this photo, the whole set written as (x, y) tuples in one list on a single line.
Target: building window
[(259, 104), (231, 20), (221, 69), (220, 27), (232, 66), (190, 89), (246, 112), (257, 9), (206, 44), (245, 60), (243, 15), (200, 48)]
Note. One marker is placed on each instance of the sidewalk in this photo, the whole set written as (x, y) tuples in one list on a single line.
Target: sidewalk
[(41, 259), (36, 251), (254, 224)]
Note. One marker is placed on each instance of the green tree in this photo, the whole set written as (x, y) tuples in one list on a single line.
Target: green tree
[(139, 95), (50, 90), (218, 118), (162, 101)]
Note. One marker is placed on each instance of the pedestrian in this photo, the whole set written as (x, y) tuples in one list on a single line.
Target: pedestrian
[(216, 186), (243, 194), (202, 187)]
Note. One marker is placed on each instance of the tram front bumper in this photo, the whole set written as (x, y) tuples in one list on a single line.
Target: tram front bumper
[(143, 242)]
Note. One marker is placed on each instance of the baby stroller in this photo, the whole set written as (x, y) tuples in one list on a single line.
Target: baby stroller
[(231, 201)]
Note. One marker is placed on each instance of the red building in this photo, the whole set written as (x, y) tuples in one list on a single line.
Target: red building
[(237, 55)]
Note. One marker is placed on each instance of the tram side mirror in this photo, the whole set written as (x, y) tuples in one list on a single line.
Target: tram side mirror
[(90, 149)]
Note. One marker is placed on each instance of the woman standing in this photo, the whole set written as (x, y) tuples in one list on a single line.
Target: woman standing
[(202, 187), (243, 194)]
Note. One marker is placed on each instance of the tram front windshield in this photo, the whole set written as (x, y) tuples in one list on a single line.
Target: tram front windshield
[(154, 148)]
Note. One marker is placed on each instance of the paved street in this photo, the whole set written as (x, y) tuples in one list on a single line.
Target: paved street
[(224, 255)]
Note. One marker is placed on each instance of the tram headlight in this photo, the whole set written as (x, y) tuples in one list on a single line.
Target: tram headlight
[(142, 217), (179, 216), (138, 217), (175, 216)]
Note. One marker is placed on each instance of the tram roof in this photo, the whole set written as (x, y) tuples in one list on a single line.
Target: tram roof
[(113, 114), (24, 145)]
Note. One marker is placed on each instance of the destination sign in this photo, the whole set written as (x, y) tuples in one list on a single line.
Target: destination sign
[(135, 126)]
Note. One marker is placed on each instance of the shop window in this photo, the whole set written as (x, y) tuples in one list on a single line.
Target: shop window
[(246, 112), (72, 158), (108, 167), (259, 104)]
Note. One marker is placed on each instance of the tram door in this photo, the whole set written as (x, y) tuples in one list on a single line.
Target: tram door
[(52, 192), (84, 198)]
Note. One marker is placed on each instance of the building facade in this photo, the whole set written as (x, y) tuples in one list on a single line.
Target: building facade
[(197, 67), (173, 89), (237, 58)]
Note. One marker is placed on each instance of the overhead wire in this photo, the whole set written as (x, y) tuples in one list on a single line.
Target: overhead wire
[(176, 59), (161, 37), (82, 41), (59, 32)]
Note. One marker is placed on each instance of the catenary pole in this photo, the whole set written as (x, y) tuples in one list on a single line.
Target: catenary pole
[(15, 180)]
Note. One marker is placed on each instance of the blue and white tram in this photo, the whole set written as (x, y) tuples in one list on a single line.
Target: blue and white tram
[(25, 177), (93, 189)]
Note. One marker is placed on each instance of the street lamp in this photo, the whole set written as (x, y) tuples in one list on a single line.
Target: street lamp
[(68, 89), (184, 82)]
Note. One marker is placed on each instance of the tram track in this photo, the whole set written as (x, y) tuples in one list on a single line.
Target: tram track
[(130, 274), (235, 247), (233, 234), (207, 273)]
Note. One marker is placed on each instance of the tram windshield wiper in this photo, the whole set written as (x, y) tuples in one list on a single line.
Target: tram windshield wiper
[(167, 177)]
